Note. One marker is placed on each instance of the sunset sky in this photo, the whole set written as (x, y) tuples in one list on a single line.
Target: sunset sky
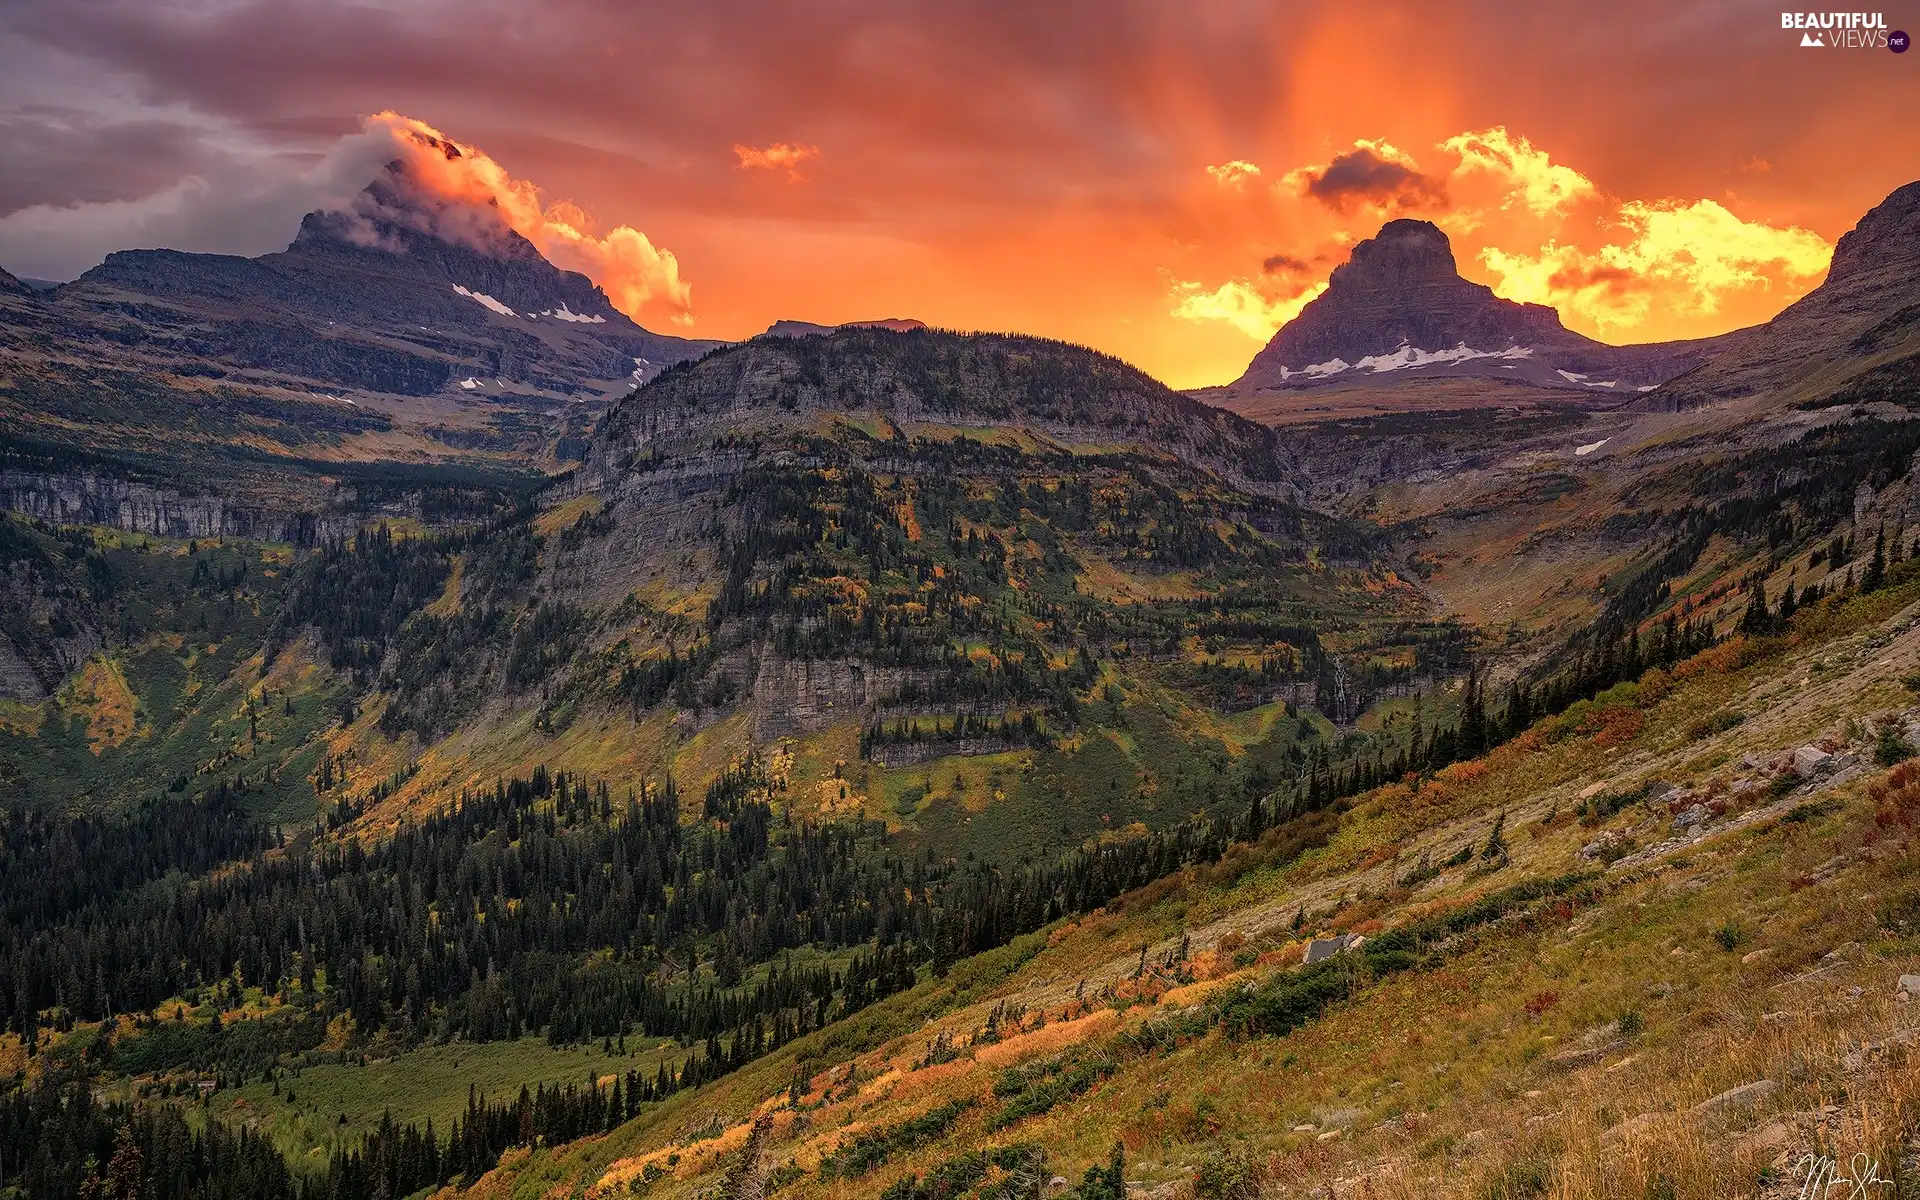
[(1166, 182)]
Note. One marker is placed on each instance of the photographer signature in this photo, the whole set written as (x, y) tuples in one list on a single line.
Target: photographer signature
[(1825, 1181)]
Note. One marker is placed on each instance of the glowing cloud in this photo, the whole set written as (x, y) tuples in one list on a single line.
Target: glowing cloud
[(1682, 257), (1234, 173), (1246, 306), (778, 157), (625, 263), (1531, 175)]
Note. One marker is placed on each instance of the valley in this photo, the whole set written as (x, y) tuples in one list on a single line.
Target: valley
[(883, 760)]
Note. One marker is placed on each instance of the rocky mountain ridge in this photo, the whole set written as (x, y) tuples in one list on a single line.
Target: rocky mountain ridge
[(955, 382)]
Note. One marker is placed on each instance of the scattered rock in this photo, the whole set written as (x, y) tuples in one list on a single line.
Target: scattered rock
[(1328, 1136), (1854, 1060), (1908, 986), (1696, 814), (1753, 956), (1580, 1058), (1305, 1128), (1769, 1141)]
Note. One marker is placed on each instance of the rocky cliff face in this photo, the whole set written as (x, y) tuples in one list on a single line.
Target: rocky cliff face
[(1399, 308), (1861, 327), (161, 512), (799, 696)]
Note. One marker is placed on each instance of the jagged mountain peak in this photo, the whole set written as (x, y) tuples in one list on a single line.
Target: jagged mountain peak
[(1398, 310), (402, 226)]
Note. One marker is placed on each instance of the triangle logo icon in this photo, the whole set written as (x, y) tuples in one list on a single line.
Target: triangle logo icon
[(1811, 39)]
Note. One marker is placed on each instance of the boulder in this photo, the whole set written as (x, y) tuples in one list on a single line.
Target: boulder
[(1325, 948), (1811, 760), (1908, 986)]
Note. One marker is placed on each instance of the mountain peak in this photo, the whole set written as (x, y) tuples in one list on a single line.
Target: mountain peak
[(1404, 251), (396, 213), (1396, 302), (397, 225)]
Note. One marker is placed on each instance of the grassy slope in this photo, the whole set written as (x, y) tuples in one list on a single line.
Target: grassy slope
[(189, 701), (1568, 1054)]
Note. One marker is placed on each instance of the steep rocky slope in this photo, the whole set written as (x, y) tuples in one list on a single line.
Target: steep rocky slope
[(1853, 339)]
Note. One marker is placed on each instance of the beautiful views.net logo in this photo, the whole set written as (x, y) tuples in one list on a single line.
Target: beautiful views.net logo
[(1844, 30)]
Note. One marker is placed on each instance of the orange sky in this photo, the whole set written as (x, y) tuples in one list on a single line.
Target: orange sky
[(1654, 170)]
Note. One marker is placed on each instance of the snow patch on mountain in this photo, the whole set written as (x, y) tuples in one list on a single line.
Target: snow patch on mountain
[(487, 300), (1412, 356), (563, 313), (1332, 366), (1406, 357)]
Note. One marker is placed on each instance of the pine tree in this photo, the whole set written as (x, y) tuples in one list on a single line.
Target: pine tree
[(1496, 847), (1877, 565), (1757, 619)]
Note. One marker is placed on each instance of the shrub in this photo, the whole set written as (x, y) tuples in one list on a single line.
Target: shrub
[(875, 1146), (1036, 1088), (1712, 723), (1891, 746), (1226, 1177), (1522, 1179)]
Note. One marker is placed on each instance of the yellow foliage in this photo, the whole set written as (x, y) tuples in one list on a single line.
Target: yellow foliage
[(1049, 1039), (1727, 657)]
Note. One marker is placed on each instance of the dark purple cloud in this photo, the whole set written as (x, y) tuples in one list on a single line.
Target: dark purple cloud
[(1362, 177)]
